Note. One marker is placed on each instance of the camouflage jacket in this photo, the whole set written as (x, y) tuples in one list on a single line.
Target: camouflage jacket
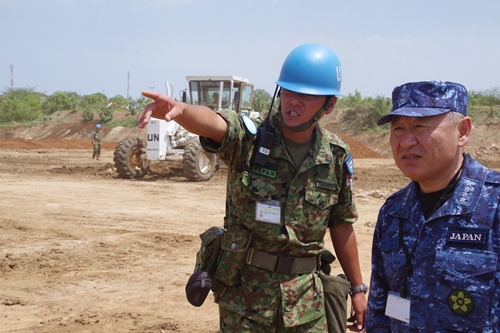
[(454, 281), (96, 137), (315, 196)]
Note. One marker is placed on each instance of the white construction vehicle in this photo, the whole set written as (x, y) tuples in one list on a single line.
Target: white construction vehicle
[(168, 141)]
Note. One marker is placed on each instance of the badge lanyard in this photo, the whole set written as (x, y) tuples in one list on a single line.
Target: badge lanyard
[(409, 256)]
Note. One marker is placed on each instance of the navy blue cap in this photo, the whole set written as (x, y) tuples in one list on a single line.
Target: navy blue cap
[(426, 98)]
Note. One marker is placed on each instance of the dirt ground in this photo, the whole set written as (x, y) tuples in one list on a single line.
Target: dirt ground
[(82, 250)]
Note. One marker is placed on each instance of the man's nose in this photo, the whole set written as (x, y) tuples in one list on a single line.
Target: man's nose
[(294, 98), (407, 139)]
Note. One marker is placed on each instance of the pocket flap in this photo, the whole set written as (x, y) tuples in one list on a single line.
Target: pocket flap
[(262, 187), (236, 239), (465, 264), (335, 284), (320, 199), (210, 235)]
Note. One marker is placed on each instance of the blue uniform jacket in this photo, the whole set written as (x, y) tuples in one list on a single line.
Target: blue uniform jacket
[(454, 280)]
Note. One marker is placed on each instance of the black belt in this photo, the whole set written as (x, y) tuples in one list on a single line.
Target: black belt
[(282, 264)]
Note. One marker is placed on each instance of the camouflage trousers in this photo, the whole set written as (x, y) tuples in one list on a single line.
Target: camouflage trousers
[(97, 150), (231, 322)]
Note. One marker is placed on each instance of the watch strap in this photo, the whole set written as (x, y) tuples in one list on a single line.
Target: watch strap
[(358, 289)]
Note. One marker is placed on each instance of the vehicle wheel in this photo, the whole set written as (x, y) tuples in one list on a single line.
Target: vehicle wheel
[(129, 158), (198, 165)]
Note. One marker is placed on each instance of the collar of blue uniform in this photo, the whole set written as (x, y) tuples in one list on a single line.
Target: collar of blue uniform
[(462, 201)]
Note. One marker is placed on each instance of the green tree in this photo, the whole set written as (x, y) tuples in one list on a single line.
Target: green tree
[(489, 97), (484, 105), (120, 101), (97, 100), (20, 104), (60, 101), (106, 114), (350, 101), (88, 114), (363, 112), (261, 100), (138, 105)]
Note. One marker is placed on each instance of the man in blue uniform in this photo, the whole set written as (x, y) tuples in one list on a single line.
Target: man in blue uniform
[(437, 241)]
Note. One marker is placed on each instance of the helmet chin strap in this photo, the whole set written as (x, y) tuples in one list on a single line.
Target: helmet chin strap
[(306, 125)]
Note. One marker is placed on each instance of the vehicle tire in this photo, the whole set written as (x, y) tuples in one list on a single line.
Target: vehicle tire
[(129, 158), (198, 165)]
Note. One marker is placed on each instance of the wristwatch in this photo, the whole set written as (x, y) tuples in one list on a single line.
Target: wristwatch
[(358, 289)]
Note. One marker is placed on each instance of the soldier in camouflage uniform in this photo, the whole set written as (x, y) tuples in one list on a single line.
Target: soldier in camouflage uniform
[(436, 244), (278, 211), (96, 142)]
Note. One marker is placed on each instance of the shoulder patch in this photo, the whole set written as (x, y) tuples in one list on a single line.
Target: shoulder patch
[(349, 163), (249, 124), (493, 176)]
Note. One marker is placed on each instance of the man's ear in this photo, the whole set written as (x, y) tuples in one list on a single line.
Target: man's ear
[(331, 104), (464, 131)]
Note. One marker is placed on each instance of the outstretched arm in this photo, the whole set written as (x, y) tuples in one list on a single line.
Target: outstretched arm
[(197, 119)]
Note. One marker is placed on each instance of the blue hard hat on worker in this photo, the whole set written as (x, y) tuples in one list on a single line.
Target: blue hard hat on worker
[(98, 126), (312, 69)]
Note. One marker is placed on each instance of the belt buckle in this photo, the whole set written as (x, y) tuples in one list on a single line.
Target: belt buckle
[(284, 265)]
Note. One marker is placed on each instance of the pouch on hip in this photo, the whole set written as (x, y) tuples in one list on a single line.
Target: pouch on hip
[(336, 291), (234, 246)]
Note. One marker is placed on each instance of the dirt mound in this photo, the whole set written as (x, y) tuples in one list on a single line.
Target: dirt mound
[(483, 145), (23, 144), (68, 134), (358, 149), (78, 136)]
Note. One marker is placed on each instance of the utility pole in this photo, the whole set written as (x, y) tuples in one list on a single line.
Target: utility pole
[(128, 84), (12, 76)]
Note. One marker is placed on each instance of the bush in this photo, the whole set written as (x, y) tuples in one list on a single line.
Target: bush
[(20, 105), (94, 99), (106, 114), (362, 113), (261, 100), (88, 114), (137, 106), (60, 101)]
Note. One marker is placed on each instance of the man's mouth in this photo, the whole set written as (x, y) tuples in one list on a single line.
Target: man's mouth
[(410, 157)]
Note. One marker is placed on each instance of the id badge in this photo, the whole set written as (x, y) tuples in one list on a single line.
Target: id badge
[(398, 307), (268, 211)]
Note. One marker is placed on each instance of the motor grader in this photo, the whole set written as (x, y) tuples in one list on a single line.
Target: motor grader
[(168, 141)]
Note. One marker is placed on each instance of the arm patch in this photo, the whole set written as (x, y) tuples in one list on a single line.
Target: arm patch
[(349, 163)]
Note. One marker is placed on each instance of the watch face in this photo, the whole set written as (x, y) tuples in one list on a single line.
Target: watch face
[(249, 124)]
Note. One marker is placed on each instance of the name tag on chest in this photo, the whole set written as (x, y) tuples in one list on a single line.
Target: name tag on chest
[(476, 237), (268, 211)]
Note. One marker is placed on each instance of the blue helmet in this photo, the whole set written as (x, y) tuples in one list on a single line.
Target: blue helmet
[(312, 69), (98, 126)]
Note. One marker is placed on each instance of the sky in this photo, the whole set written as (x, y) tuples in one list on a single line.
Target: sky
[(123, 47)]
